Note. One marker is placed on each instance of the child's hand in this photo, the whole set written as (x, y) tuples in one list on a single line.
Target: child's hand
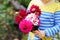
[(39, 33)]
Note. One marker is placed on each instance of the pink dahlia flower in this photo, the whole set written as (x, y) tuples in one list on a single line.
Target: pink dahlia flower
[(25, 26)]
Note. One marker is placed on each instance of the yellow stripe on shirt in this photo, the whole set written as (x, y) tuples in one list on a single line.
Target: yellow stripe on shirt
[(53, 7)]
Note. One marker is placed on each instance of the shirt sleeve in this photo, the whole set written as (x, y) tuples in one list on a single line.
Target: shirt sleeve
[(56, 28)]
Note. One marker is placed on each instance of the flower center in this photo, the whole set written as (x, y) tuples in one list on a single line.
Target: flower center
[(24, 28)]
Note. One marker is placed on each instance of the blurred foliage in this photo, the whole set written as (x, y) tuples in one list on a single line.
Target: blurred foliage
[(24, 2), (8, 28)]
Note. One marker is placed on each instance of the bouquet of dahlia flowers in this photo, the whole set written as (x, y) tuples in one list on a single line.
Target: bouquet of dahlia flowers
[(28, 22)]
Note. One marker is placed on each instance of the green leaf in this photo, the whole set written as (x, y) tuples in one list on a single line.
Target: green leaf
[(5, 2), (2, 7)]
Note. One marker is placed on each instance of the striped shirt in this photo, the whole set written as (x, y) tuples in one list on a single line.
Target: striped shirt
[(50, 23), (49, 19)]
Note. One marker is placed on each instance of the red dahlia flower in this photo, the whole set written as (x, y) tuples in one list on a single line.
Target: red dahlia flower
[(22, 14), (35, 9)]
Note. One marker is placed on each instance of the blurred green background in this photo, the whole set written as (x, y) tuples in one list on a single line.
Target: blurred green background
[(8, 28)]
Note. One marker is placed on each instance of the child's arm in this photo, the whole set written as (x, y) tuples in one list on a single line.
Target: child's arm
[(53, 30)]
